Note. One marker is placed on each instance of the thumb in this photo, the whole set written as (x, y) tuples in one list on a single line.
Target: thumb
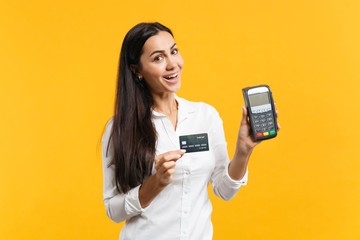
[(244, 116)]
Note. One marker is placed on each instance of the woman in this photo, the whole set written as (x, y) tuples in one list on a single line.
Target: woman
[(160, 190)]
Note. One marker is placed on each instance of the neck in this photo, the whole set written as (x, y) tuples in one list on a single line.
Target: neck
[(165, 103)]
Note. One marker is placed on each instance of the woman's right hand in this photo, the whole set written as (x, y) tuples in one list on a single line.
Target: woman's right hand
[(165, 166)]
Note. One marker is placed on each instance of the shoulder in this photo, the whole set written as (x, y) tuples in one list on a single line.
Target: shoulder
[(107, 131), (110, 122), (107, 149)]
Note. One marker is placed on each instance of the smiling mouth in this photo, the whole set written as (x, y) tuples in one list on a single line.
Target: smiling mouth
[(172, 76)]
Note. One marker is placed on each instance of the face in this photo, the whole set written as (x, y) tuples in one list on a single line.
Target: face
[(161, 64)]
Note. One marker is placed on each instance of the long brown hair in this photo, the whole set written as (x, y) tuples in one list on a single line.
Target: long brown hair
[(133, 135)]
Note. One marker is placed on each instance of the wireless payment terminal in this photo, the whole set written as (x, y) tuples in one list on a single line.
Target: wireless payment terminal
[(261, 112)]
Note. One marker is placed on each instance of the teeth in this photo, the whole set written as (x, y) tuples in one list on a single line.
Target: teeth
[(171, 76)]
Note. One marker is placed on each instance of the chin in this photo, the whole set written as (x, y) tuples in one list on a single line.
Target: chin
[(176, 88)]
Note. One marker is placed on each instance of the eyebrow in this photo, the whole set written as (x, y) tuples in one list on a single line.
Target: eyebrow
[(161, 51)]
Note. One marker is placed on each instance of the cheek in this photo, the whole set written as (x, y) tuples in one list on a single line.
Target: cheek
[(181, 62), (152, 76), (154, 71)]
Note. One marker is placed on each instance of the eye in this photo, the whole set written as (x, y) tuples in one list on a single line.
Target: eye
[(158, 58), (174, 51)]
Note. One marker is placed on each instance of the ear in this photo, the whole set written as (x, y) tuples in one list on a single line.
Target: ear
[(135, 69)]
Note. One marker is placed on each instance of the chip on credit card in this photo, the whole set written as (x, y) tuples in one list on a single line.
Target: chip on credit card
[(194, 142)]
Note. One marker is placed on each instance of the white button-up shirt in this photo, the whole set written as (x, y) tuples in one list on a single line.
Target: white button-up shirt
[(183, 209)]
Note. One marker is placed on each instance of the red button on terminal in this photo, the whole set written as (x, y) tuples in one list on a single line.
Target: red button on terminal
[(259, 134)]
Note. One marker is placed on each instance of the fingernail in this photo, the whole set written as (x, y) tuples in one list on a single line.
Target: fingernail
[(179, 156), (183, 150)]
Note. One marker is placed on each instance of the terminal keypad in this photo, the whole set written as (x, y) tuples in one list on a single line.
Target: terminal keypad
[(263, 123)]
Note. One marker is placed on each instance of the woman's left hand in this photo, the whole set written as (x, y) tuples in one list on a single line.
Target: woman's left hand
[(245, 141)]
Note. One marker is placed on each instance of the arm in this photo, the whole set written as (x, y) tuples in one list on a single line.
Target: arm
[(244, 146), (223, 185), (165, 167), (228, 177), (120, 206)]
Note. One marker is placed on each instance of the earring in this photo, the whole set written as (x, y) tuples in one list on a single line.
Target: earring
[(140, 78)]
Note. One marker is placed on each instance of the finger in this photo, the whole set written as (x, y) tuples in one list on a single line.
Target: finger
[(168, 165), (278, 126), (244, 115), (168, 156), (158, 161), (159, 157), (180, 152), (170, 171), (173, 155), (276, 111)]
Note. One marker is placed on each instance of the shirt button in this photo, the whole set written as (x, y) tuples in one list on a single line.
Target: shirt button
[(185, 212)]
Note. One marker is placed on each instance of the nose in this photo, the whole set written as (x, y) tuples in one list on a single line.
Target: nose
[(171, 63)]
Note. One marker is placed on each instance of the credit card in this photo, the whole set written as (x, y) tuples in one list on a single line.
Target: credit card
[(194, 142)]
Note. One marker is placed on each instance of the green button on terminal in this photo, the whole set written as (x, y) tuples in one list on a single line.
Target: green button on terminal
[(272, 132)]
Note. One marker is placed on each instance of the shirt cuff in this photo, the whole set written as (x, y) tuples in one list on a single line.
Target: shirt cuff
[(235, 183), (132, 202)]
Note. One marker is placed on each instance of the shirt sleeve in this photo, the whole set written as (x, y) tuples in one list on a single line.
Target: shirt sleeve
[(223, 185), (119, 206)]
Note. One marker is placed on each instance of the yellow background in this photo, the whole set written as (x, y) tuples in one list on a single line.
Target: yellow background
[(58, 76)]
